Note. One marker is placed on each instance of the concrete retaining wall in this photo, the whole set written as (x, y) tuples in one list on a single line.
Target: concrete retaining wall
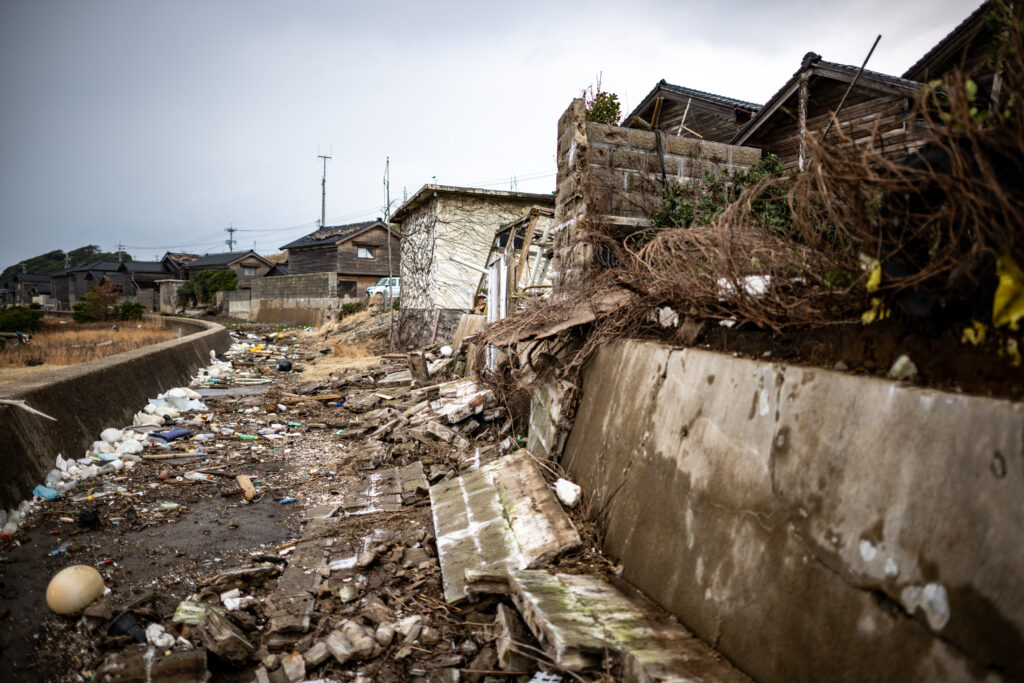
[(89, 397), (811, 525), (305, 299)]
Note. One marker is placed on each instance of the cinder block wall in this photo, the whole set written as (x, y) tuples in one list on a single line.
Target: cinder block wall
[(306, 298), (607, 172)]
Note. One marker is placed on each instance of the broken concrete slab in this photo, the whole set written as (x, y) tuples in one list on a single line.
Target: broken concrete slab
[(220, 636), (500, 516), (385, 490), (581, 618)]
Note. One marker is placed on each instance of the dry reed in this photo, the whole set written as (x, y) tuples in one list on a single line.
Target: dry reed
[(71, 343)]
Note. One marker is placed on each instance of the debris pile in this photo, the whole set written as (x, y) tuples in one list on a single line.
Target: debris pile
[(382, 523)]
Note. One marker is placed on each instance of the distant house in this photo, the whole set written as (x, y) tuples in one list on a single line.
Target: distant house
[(141, 278), (81, 277), (177, 263), (23, 287), (357, 252), (877, 103), (277, 269), (246, 264), (441, 223), (676, 110)]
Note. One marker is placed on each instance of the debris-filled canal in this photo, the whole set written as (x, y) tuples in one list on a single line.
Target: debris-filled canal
[(261, 525)]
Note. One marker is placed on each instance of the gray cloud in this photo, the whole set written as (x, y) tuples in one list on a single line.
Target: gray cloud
[(158, 124)]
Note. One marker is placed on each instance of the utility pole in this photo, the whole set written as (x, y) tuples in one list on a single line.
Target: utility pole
[(230, 241), (323, 191), (387, 234), (120, 252)]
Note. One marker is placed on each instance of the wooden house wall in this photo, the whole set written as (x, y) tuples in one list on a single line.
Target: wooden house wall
[(59, 290), (863, 111), (313, 259), (349, 263), (713, 122), (245, 281)]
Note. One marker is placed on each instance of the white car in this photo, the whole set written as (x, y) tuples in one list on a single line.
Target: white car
[(381, 288)]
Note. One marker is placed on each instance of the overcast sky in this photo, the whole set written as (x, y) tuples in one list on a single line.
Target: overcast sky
[(159, 124)]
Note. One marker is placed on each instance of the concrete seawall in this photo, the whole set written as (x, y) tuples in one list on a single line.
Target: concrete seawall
[(89, 397), (811, 525)]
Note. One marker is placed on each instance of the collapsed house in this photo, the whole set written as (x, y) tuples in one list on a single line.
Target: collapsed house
[(447, 233)]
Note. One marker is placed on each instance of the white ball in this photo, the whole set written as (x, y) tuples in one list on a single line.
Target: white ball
[(73, 589)]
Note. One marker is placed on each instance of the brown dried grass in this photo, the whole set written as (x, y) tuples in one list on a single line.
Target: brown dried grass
[(343, 350), (60, 344)]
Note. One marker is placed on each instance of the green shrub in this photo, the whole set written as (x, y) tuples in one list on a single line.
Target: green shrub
[(349, 309), (130, 310), (35, 306), (20, 319), (206, 283)]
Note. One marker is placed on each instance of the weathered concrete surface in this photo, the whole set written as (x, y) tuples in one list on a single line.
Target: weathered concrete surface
[(811, 525), (579, 619), (499, 517), (89, 397)]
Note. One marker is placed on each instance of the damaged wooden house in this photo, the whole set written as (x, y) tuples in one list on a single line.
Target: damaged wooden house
[(685, 112), (447, 233), (876, 110)]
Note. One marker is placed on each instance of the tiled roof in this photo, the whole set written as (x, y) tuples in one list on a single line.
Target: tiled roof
[(31, 277), (146, 267), (814, 61), (221, 259), (333, 234), (710, 97)]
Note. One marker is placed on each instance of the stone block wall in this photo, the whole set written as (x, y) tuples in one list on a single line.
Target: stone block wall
[(614, 175)]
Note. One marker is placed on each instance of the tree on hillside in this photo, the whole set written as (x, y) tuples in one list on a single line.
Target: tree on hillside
[(54, 260)]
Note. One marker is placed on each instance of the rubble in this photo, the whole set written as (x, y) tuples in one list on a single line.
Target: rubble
[(284, 529)]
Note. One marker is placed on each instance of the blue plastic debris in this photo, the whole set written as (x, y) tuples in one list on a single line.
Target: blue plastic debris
[(171, 434), (285, 501), (58, 551), (46, 492)]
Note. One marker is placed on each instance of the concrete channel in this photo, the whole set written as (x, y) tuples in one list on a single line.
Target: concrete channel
[(88, 397)]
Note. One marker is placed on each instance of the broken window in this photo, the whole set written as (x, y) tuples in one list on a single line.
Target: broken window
[(366, 252)]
